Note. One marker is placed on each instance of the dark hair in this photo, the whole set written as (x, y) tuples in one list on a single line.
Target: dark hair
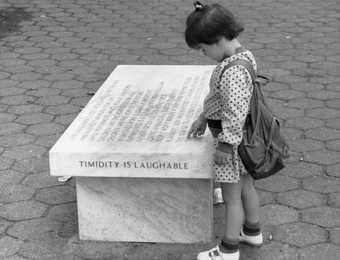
[(208, 23)]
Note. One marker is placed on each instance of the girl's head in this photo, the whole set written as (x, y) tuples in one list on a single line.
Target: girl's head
[(208, 24)]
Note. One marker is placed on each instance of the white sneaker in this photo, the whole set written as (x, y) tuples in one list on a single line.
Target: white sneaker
[(216, 254), (218, 197), (255, 240)]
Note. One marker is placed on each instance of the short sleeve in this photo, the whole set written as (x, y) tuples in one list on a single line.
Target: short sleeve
[(235, 93)]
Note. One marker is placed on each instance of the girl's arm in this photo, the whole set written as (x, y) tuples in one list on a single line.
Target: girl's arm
[(235, 92)]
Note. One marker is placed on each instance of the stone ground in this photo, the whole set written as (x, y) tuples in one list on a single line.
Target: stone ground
[(55, 53)]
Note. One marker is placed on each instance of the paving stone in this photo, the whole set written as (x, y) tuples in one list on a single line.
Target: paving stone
[(56, 195), (333, 123), (9, 246), (324, 95), (45, 129), (5, 117), (323, 133), (287, 94), (33, 229), (34, 118), (32, 165), (291, 134), (81, 101), (43, 92), (8, 177), (75, 93), (303, 145), (322, 157), (62, 109), (273, 214), (305, 103), (17, 100), (5, 163), (7, 83), (304, 122), (301, 199), (265, 197), (323, 216), (15, 192), (320, 251), (41, 180), (277, 183), (67, 84), (333, 104), (334, 199), (272, 251), (14, 257), (47, 141), (24, 151), (63, 213), (29, 75), (333, 145), (25, 109), (333, 87), (11, 91), (4, 224), (49, 247), (335, 236), (299, 234), (53, 100), (22, 210), (322, 113), (322, 184), (10, 128), (334, 170), (34, 84)]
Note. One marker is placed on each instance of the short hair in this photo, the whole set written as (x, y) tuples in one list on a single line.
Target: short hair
[(209, 23)]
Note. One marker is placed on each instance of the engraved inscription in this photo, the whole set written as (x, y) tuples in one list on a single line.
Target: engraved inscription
[(135, 164), (129, 113)]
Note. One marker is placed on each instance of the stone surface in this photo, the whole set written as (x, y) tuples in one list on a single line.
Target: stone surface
[(56, 195), (9, 246), (322, 216), (320, 251), (137, 126), (301, 199), (22, 210), (273, 214), (277, 183), (299, 234), (158, 210)]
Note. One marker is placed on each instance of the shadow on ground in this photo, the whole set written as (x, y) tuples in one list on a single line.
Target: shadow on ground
[(10, 19)]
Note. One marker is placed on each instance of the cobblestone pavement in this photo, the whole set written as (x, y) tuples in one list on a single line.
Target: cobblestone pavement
[(62, 50)]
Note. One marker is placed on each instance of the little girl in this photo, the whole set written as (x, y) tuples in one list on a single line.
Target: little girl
[(214, 30)]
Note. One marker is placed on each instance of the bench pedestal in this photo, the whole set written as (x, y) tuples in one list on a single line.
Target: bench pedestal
[(145, 209)]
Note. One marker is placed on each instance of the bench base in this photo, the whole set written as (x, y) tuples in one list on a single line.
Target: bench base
[(145, 209)]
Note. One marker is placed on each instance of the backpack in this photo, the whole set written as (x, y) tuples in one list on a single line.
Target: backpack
[(262, 148)]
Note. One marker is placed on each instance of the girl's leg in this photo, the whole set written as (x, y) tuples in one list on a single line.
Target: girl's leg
[(251, 231), (233, 210), (250, 200)]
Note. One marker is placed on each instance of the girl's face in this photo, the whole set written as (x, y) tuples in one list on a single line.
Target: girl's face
[(220, 50), (213, 51)]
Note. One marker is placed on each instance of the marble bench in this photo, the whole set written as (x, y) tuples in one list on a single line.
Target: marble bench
[(138, 178)]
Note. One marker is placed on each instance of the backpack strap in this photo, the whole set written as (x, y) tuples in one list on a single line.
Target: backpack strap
[(244, 63)]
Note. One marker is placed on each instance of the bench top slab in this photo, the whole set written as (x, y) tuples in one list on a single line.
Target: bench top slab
[(136, 126)]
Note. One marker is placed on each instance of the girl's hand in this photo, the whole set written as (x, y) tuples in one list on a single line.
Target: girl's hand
[(221, 158), (198, 127)]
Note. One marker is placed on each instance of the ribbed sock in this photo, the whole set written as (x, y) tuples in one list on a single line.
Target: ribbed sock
[(228, 246), (251, 229)]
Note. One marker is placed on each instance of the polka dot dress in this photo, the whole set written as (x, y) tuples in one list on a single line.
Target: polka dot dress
[(228, 101)]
